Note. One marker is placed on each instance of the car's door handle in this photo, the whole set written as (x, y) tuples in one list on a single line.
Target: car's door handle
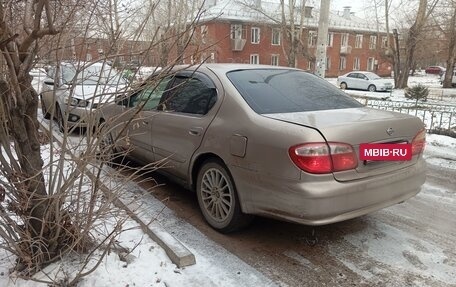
[(195, 131)]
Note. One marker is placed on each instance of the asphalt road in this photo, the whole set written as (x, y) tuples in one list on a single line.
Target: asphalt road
[(410, 244)]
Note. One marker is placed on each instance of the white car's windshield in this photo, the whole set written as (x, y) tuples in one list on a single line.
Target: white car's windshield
[(372, 76), (92, 75)]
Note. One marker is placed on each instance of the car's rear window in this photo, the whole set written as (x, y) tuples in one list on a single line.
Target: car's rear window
[(270, 91)]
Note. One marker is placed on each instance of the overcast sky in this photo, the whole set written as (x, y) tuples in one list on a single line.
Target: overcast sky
[(356, 5)]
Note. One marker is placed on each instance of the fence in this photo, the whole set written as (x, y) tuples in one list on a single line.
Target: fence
[(439, 119)]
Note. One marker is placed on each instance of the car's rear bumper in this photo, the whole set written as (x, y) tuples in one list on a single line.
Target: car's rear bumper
[(324, 202), (385, 89)]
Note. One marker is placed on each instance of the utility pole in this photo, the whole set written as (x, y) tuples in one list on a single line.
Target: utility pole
[(322, 40)]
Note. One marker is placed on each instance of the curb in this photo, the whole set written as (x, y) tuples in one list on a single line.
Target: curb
[(176, 251)]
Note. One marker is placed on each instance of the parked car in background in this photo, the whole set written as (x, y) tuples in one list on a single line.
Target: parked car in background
[(74, 92), (265, 140), (360, 80), (438, 70), (453, 78)]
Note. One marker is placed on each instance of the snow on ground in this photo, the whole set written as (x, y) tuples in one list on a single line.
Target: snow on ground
[(441, 151)]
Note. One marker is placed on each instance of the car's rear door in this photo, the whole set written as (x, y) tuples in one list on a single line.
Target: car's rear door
[(184, 115)]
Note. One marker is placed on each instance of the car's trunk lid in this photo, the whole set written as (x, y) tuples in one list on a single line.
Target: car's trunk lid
[(360, 125)]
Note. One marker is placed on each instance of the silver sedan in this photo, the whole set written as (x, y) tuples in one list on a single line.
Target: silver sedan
[(360, 80), (264, 140)]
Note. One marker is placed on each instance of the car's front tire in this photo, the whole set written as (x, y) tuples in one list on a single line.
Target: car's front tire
[(372, 88), (59, 118), (44, 110), (343, 86), (218, 199)]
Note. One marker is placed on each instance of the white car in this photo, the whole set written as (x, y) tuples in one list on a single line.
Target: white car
[(74, 93), (360, 80)]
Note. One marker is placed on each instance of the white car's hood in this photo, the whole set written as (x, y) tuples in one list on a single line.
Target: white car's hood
[(97, 93)]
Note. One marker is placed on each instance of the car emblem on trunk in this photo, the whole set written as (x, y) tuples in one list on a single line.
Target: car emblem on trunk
[(390, 131)]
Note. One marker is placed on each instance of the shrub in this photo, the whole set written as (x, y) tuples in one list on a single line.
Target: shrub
[(418, 92)]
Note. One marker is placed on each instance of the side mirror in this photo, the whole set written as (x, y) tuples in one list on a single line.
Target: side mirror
[(49, 82), (161, 107)]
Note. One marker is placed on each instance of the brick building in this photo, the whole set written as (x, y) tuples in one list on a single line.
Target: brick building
[(93, 48), (246, 31)]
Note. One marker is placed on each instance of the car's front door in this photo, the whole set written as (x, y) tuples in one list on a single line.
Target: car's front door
[(353, 81), (139, 118), (185, 114)]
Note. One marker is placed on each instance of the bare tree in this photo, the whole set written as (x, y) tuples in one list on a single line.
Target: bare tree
[(450, 34), (412, 40), (45, 213), (18, 114)]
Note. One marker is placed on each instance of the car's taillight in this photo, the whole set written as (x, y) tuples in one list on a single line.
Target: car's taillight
[(419, 142), (323, 157)]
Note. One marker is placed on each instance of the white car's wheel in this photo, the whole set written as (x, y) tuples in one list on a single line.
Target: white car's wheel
[(59, 118), (343, 86), (372, 88), (44, 110)]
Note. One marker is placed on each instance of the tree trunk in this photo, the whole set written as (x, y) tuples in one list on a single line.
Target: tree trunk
[(447, 82), (411, 43)]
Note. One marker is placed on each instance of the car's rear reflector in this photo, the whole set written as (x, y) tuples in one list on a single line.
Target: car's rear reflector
[(323, 157)]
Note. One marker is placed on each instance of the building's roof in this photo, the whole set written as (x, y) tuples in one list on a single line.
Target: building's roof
[(270, 12)]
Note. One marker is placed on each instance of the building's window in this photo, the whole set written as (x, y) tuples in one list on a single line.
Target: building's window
[(356, 64), (310, 65), (203, 33), (384, 41), (370, 64), (88, 57), (312, 40), (255, 39), (330, 39), (276, 35), (275, 60), (373, 42), (359, 41), (344, 40), (237, 31), (328, 63), (254, 59), (342, 63)]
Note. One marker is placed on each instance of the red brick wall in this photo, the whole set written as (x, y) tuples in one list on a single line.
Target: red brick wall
[(218, 34)]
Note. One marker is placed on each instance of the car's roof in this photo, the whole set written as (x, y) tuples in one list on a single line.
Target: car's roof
[(362, 72), (227, 67)]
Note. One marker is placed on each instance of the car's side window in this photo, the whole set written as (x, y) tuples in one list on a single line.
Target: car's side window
[(352, 75), (149, 97), (189, 95)]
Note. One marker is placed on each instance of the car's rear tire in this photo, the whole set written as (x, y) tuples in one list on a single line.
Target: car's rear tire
[(59, 118), (372, 88), (218, 199), (343, 86), (44, 110)]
